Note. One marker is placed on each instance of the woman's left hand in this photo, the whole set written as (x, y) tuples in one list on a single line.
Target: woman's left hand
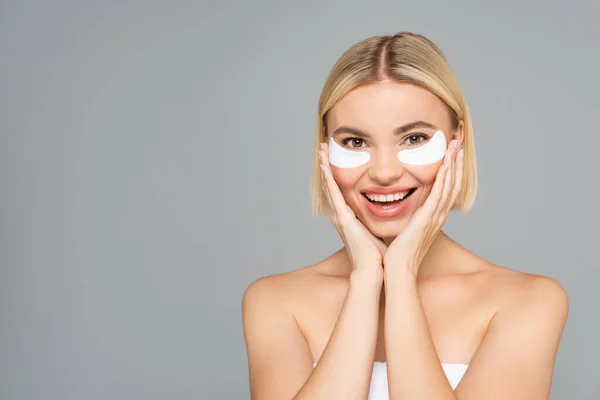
[(410, 246)]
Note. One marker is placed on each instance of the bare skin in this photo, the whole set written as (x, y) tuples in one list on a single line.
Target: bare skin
[(504, 323), (459, 302)]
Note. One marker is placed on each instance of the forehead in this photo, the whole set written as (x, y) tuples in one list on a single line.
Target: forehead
[(384, 106)]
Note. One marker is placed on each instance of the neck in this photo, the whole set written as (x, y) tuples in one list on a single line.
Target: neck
[(439, 257), (437, 260)]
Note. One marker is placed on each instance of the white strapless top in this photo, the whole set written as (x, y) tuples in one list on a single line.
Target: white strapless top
[(379, 382)]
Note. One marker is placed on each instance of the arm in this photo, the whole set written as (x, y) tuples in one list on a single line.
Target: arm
[(514, 361), (279, 359), (414, 370), (516, 357)]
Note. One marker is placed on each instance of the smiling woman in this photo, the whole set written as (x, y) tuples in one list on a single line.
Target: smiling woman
[(401, 311)]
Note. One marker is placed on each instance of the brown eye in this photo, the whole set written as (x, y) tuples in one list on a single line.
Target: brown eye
[(356, 141), (415, 139), (353, 143)]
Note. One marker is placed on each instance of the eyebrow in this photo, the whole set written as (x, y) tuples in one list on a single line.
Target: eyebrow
[(399, 131)]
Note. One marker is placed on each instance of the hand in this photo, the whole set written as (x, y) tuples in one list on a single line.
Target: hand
[(365, 250), (410, 246)]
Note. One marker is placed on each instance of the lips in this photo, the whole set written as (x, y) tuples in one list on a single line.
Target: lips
[(386, 191), (388, 209)]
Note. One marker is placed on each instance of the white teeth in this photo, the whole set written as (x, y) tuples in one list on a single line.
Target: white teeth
[(385, 198)]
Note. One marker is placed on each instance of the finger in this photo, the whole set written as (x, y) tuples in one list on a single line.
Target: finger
[(337, 198), (423, 217), (433, 199), (324, 183), (325, 187), (448, 181), (458, 179), (325, 190)]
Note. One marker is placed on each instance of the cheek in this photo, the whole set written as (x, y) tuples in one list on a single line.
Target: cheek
[(346, 179), (425, 174)]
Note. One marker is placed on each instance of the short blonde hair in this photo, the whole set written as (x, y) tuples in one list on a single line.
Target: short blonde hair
[(404, 57)]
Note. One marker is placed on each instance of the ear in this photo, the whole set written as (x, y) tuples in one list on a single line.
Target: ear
[(459, 132)]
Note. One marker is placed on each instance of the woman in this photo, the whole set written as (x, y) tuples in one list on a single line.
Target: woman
[(401, 311)]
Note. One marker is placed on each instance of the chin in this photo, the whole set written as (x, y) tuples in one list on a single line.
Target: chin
[(386, 229)]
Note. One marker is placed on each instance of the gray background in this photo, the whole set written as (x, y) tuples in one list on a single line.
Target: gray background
[(155, 159)]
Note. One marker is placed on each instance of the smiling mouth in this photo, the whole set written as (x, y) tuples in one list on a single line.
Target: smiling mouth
[(390, 202)]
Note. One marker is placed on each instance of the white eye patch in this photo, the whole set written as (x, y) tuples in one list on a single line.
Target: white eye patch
[(429, 153), (344, 158)]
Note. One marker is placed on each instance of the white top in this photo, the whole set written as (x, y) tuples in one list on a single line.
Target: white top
[(379, 382)]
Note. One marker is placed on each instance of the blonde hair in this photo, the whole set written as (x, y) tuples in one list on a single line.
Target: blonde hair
[(403, 57)]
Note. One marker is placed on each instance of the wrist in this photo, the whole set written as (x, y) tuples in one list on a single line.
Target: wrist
[(367, 278), (398, 273)]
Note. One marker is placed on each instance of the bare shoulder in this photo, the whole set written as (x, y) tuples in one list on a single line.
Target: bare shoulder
[(279, 357), (284, 298), (266, 288), (521, 292), (527, 326), (282, 288)]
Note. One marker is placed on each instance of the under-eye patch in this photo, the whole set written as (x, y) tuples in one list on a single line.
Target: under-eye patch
[(429, 153), (344, 158)]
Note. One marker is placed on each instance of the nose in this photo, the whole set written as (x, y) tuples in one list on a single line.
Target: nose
[(385, 168)]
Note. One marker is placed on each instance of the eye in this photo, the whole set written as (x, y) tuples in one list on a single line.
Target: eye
[(416, 139), (351, 142)]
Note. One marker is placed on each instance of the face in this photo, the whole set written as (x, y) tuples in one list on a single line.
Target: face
[(383, 124)]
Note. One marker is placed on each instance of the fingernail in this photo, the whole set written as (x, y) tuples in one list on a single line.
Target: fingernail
[(461, 153)]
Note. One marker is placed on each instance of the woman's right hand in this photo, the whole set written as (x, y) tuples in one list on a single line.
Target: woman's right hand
[(364, 249)]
